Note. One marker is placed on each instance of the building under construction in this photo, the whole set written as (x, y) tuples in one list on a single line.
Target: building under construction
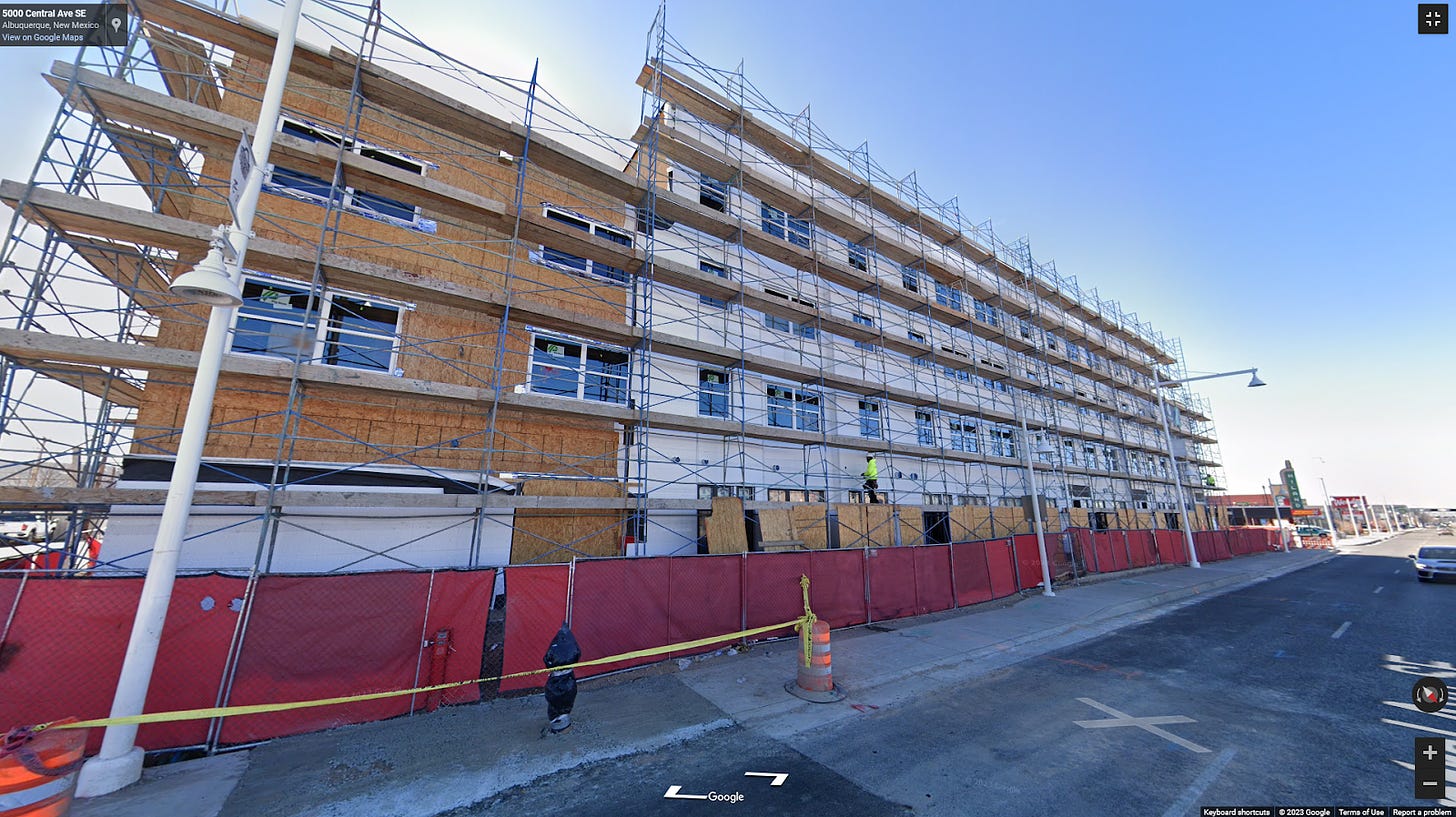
[(478, 331)]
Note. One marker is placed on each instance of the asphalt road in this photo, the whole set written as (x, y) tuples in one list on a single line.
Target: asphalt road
[(1290, 692)]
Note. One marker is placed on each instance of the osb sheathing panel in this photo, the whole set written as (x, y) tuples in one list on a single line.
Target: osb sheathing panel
[(1009, 521), (810, 525), (440, 343), (969, 523), (726, 532), (467, 165), (1051, 518), (350, 426), (1141, 521), (866, 526), (1079, 518), (912, 525), (851, 525), (541, 536), (774, 525)]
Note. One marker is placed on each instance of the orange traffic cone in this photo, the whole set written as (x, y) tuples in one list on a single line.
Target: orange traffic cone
[(38, 772), (816, 677)]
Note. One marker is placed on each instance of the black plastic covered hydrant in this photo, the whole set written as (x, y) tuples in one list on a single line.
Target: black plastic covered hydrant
[(561, 684)]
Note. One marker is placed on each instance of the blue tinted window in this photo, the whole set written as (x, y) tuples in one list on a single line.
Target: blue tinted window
[(713, 393), (869, 419), (301, 183), (721, 272)]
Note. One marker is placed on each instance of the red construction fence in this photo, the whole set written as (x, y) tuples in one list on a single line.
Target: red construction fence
[(1111, 551), (231, 640), (285, 638)]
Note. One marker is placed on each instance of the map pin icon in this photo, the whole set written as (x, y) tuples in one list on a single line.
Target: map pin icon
[(116, 24)]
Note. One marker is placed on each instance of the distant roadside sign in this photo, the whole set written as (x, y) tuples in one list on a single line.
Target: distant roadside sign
[(1305, 512), (1291, 485)]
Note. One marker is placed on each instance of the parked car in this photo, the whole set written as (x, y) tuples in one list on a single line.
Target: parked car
[(31, 527), (1433, 562), (17, 554), (1310, 530)]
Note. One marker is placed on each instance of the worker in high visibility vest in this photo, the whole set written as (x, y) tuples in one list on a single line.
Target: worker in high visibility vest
[(872, 478)]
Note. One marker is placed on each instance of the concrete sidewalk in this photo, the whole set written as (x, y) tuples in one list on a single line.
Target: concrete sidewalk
[(428, 764), (1361, 541)]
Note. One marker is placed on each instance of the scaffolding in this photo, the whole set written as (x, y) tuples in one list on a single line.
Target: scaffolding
[(478, 317)]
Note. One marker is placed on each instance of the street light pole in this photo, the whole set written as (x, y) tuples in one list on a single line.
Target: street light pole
[(1329, 507), (1369, 516), (1158, 386), (1046, 574), (1279, 528), (1177, 481), (119, 762), (1329, 513)]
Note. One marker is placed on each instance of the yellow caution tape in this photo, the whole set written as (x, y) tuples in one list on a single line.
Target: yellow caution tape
[(258, 709), (806, 624)]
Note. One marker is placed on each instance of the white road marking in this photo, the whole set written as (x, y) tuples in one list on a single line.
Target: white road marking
[(1407, 705), (1435, 669), (673, 794), (1200, 784), (1426, 729), (1378, 589), (778, 777), (1145, 724), (1341, 631)]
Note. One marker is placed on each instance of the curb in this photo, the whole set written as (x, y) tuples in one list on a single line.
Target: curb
[(1207, 587), (1106, 615)]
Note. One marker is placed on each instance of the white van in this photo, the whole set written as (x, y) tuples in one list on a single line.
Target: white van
[(30, 527)]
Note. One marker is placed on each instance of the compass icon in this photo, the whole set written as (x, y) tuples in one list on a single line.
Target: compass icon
[(1429, 694)]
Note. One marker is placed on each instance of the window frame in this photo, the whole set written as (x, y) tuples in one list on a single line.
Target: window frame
[(948, 296), (317, 322), (582, 369), (712, 193), (866, 321), (985, 313), (871, 420), (777, 323), (726, 394), (350, 198), (964, 434), (925, 431), (779, 224), (801, 495), (793, 400), (720, 270), (563, 262), (1002, 441), (715, 490)]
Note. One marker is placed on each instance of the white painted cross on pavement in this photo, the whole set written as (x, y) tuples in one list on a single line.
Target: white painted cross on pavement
[(1146, 724)]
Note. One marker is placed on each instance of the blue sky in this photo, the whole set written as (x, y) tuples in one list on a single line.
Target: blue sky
[(1271, 182)]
